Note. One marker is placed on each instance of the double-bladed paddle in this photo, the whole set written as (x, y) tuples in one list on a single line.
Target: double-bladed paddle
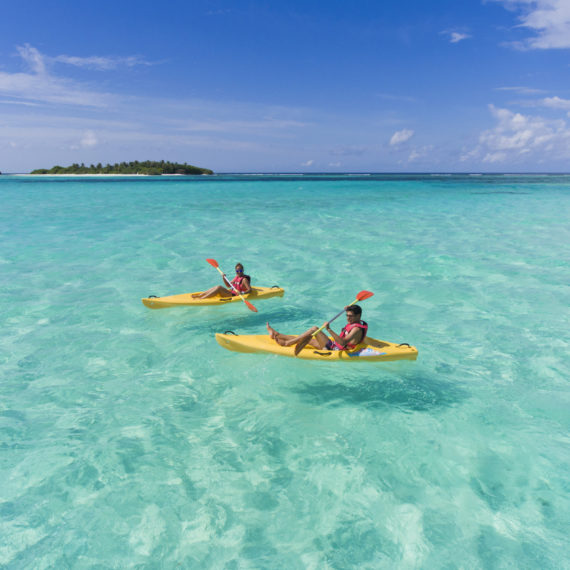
[(214, 263), (305, 341)]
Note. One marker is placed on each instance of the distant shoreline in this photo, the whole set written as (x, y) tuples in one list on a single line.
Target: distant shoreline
[(300, 174), (102, 175)]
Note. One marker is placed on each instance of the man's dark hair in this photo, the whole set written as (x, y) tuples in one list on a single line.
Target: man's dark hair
[(355, 309)]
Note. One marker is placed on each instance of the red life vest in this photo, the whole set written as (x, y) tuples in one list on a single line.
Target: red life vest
[(344, 332), (237, 282)]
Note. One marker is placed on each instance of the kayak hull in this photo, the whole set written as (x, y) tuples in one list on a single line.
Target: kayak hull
[(186, 299), (371, 350)]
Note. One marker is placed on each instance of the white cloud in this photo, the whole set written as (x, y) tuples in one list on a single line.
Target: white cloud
[(194, 122), (455, 37), (268, 124), (517, 137), (549, 19), (556, 103), (308, 163), (419, 153), (33, 58), (12, 102), (58, 134), (349, 151), (100, 63), (41, 86), (400, 137), (521, 90), (403, 98), (38, 62), (89, 139), (134, 123)]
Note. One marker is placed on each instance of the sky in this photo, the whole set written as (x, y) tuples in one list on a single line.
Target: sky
[(292, 86)]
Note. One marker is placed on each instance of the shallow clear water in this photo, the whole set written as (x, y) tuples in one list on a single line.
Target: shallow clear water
[(129, 438)]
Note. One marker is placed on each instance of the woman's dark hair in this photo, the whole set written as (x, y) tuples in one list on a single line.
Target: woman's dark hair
[(355, 309)]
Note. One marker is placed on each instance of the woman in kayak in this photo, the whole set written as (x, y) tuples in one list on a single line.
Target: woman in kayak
[(351, 335), (239, 284)]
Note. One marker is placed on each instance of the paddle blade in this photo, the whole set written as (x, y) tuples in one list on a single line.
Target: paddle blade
[(213, 263), (250, 306), (364, 295)]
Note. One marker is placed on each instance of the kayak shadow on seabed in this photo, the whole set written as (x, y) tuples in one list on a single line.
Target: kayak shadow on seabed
[(412, 391), (242, 321)]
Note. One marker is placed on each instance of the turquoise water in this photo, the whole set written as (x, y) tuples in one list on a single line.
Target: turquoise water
[(129, 438)]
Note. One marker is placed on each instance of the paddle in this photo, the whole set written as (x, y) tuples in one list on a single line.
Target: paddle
[(214, 263), (305, 341)]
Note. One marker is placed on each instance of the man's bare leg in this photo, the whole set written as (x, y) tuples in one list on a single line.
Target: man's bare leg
[(290, 340)]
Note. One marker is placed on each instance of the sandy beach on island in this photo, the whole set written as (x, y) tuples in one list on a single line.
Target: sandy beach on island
[(98, 175)]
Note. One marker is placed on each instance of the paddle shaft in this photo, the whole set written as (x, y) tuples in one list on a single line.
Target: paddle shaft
[(250, 306), (228, 281), (333, 319)]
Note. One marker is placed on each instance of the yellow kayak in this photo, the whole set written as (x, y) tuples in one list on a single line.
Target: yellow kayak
[(186, 299), (370, 350)]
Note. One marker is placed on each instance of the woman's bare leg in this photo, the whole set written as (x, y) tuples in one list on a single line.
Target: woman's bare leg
[(217, 290)]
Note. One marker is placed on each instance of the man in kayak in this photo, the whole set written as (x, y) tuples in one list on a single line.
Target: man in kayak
[(351, 335), (240, 283)]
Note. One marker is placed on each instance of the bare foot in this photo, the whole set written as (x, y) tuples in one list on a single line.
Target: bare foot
[(272, 332)]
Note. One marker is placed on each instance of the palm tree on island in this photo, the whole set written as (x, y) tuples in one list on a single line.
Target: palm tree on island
[(148, 167)]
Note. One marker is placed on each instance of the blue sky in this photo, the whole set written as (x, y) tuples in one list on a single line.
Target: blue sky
[(312, 86)]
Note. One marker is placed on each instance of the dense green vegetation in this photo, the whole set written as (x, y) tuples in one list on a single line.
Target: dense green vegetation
[(149, 167)]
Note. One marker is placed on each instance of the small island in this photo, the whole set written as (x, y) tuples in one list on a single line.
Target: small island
[(148, 167)]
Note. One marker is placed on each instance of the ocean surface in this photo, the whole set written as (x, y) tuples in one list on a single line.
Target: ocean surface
[(130, 439)]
